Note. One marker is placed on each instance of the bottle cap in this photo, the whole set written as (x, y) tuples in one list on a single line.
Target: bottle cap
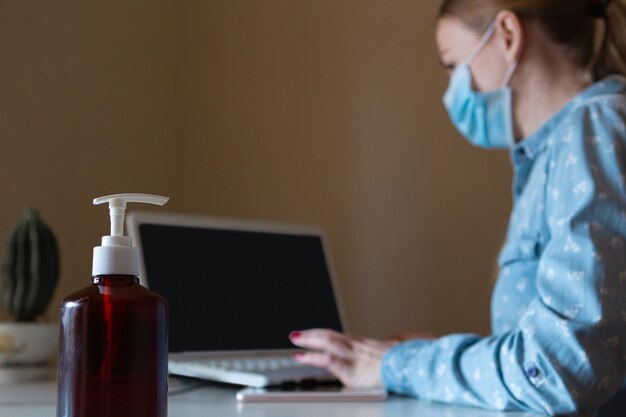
[(117, 256)]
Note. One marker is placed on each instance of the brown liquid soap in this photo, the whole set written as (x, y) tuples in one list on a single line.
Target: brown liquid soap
[(113, 333)]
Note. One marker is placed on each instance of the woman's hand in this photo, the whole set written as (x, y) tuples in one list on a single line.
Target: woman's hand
[(355, 361)]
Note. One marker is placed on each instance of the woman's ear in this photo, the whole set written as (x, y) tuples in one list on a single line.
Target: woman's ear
[(510, 35)]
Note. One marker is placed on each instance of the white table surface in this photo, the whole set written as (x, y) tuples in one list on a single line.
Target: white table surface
[(39, 400)]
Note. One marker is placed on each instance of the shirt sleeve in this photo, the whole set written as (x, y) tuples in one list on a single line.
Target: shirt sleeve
[(567, 353)]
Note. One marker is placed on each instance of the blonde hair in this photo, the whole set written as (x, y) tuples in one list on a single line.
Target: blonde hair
[(591, 32)]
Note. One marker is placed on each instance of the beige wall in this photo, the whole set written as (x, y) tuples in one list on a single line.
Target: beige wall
[(87, 108), (322, 112)]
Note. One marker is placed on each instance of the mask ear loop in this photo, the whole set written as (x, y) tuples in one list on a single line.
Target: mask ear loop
[(481, 44), (483, 41), (509, 74)]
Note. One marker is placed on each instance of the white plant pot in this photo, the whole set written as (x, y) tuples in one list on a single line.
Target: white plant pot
[(26, 350)]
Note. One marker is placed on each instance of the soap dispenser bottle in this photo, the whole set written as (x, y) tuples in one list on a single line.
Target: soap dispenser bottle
[(113, 333)]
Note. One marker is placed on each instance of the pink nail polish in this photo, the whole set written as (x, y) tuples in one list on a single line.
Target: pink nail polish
[(294, 335), (298, 356)]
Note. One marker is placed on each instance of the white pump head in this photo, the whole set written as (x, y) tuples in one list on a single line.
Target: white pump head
[(117, 256)]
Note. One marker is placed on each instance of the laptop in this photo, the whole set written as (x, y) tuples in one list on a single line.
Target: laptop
[(236, 289)]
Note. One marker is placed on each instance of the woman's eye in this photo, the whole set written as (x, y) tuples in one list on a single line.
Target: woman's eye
[(448, 66)]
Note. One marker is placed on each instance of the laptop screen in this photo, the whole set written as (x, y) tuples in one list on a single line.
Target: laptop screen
[(238, 290)]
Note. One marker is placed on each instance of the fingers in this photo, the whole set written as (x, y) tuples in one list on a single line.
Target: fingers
[(324, 340), (355, 361), (336, 366)]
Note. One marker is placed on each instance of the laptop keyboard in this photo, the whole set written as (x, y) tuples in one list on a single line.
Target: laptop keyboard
[(252, 369), (248, 364)]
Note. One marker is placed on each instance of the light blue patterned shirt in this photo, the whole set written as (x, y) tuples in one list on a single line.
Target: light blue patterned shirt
[(559, 304)]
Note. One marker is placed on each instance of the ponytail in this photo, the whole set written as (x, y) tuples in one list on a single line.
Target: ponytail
[(611, 58)]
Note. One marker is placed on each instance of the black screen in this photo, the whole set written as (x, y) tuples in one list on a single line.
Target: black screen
[(238, 290)]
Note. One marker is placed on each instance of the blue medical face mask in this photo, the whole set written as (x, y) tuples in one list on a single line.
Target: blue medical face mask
[(485, 119)]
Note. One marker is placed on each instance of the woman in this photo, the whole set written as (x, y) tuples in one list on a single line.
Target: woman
[(545, 79)]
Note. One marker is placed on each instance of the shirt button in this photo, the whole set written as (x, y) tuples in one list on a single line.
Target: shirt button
[(532, 372)]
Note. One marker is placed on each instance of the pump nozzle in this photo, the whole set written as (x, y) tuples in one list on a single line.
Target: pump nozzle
[(117, 207), (117, 255)]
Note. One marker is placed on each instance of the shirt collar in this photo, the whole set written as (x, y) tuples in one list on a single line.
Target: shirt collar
[(534, 144)]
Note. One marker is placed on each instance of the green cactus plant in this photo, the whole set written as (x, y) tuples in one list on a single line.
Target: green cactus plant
[(30, 270)]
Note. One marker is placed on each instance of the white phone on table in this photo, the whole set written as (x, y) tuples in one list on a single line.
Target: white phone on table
[(320, 393)]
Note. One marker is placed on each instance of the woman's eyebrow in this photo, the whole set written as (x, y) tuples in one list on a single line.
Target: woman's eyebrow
[(445, 63)]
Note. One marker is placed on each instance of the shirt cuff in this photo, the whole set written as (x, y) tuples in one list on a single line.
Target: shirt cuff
[(397, 365)]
